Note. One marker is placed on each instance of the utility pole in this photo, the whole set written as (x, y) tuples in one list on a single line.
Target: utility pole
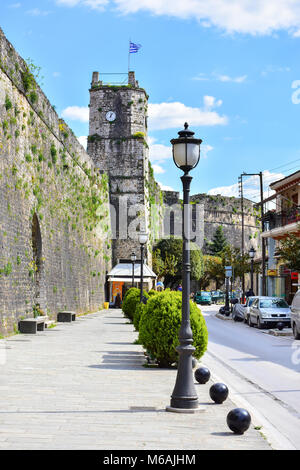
[(263, 244), (243, 237), (263, 249)]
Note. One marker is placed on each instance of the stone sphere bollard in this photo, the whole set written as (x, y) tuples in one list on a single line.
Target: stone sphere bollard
[(202, 375), (218, 393), (238, 420), (280, 325)]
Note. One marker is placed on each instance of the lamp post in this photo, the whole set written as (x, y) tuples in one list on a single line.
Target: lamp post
[(186, 155), (143, 238), (252, 254), (133, 259)]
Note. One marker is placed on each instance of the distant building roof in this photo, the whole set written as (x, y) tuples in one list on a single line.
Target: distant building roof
[(122, 272), (287, 180)]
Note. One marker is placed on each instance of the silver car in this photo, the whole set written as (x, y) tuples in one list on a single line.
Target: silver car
[(247, 305), (269, 311), (295, 315)]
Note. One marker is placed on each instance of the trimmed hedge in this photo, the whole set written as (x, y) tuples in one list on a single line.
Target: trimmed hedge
[(160, 323), (137, 315), (131, 301)]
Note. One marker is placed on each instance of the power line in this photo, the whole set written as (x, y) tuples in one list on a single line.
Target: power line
[(293, 161)]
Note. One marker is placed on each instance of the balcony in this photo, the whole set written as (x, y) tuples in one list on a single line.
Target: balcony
[(278, 224), (280, 219)]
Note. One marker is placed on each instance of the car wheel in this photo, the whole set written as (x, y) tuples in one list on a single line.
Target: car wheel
[(249, 321), (259, 325), (295, 332)]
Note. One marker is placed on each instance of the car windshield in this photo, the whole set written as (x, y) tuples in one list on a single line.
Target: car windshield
[(273, 303), (205, 294)]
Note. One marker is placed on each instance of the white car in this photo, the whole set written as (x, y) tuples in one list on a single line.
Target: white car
[(269, 311), (295, 315)]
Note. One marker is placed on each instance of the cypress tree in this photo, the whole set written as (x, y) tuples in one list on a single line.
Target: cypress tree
[(218, 243)]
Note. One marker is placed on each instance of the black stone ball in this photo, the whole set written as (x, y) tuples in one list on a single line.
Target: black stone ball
[(202, 375), (280, 326), (238, 420), (218, 392)]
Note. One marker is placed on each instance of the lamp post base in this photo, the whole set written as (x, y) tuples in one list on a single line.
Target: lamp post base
[(199, 409)]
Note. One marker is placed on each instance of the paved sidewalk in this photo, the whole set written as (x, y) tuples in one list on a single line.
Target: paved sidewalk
[(83, 386)]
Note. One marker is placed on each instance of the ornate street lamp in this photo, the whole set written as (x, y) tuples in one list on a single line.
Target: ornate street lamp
[(143, 238), (252, 254), (133, 260), (186, 155)]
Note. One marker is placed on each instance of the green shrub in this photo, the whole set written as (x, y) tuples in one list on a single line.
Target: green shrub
[(137, 315), (152, 292), (131, 301), (159, 327)]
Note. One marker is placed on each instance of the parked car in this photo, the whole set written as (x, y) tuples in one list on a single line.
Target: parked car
[(269, 311), (295, 315), (216, 296), (238, 312), (247, 305), (203, 297)]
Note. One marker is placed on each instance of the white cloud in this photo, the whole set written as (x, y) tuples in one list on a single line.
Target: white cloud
[(38, 12), (251, 186), (274, 69), (242, 16), (93, 4), (158, 170), (204, 149), (256, 17), (76, 113), (226, 78), (165, 188), (83, 140), (174, 115), (220, 78), (15, 5), (159, 153)]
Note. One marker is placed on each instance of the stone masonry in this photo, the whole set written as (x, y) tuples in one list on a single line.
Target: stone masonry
[(118, 146), (53, 205)]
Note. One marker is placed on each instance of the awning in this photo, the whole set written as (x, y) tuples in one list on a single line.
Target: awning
[(122, 272)]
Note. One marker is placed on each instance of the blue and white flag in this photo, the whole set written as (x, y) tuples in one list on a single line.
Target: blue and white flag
[(134, 47)]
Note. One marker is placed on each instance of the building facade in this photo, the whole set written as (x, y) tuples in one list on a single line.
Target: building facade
[(279, 224)]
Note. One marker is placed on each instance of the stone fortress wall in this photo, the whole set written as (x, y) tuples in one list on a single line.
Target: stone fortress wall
[(54, 213), (221, 210), (226, 211)]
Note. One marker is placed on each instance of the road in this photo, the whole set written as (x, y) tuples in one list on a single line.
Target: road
[(262, 373)]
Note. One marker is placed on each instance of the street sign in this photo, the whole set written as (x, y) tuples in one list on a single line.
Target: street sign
[(272, 272), (228, 271), (294, 276)]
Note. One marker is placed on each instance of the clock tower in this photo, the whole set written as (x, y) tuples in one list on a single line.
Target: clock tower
[(117, 143)]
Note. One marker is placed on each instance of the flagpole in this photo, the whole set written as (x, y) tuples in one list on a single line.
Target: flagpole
[(129, 56)]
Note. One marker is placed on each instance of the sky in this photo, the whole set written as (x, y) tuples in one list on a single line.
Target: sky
[(230, 68)]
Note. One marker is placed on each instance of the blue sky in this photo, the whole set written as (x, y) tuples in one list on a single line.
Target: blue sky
[(228, 68)]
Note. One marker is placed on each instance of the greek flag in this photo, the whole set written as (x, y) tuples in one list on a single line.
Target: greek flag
[(134, 47)]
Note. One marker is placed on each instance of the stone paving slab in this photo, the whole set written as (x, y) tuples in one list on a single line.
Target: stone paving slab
[(82, 385)]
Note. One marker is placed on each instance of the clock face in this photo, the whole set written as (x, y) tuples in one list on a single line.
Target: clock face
[(110, 115)]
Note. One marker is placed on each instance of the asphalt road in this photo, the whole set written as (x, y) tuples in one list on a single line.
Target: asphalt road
[(261, 371)]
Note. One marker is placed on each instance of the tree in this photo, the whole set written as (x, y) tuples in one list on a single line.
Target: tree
[(167, 260), (218, 243), (213, 271), (214, 266), (289, 251)]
